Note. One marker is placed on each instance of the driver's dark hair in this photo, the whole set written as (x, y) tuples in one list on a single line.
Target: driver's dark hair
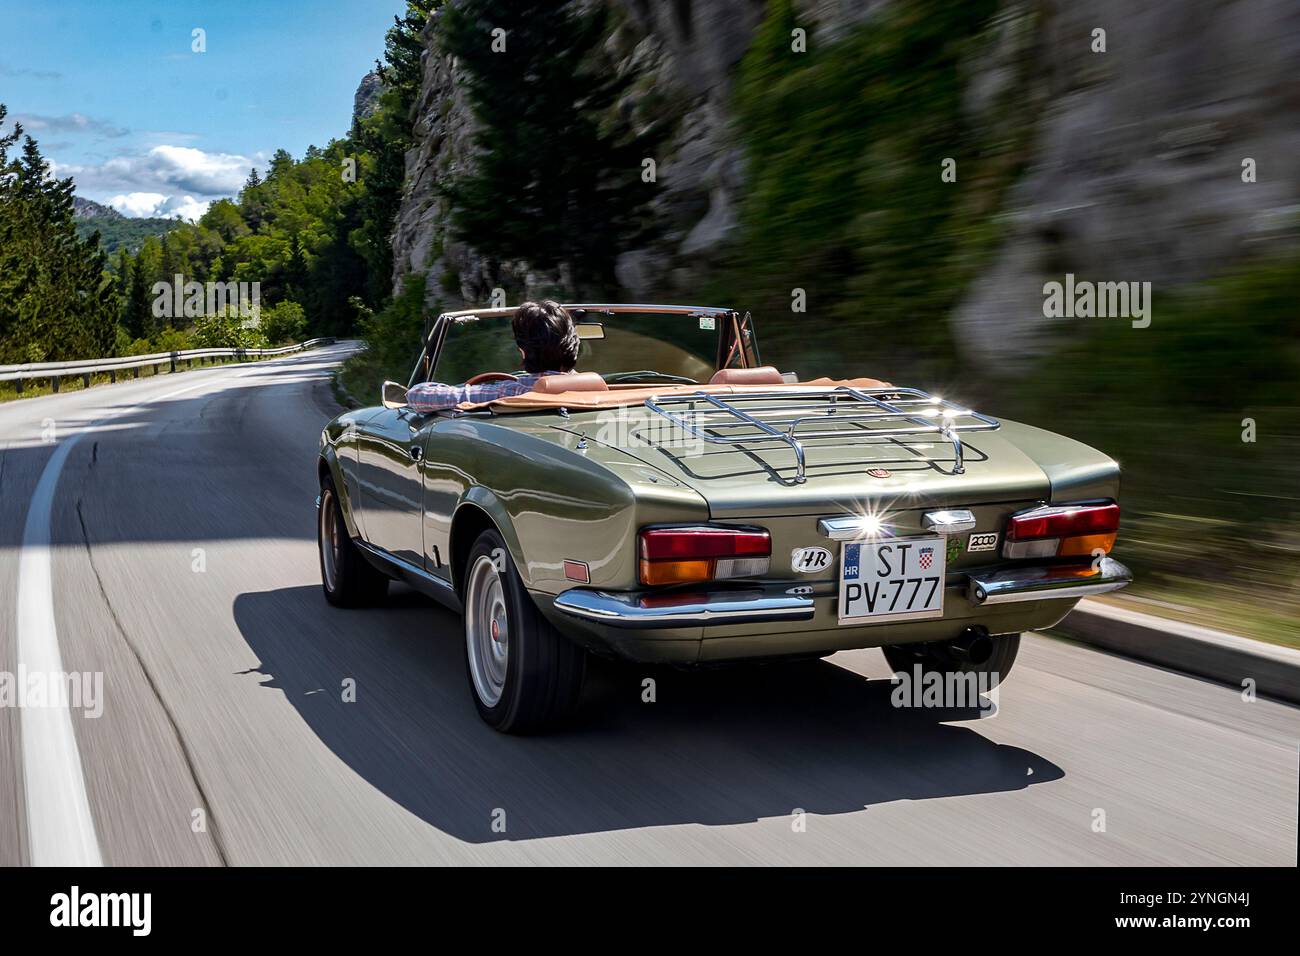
[(544, 330)]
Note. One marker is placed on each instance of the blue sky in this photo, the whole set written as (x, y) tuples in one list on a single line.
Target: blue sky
[(117, 99)]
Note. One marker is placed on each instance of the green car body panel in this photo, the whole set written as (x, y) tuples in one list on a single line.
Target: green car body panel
[(563, 486)]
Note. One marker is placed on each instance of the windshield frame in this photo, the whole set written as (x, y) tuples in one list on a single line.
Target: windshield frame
[(734, 326)]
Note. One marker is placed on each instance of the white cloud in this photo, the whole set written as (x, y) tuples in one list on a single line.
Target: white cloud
[(160, 206), (163, 181), (168, 169)]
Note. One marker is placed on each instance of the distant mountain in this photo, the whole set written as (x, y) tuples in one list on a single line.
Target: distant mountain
[(115, 229), (88, 208)]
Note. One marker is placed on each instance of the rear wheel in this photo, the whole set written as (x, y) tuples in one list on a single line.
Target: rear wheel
[(992, 656), (348, 579), (524, 674)]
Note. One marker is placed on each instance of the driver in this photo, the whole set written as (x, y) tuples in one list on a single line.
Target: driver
[(548, 343)]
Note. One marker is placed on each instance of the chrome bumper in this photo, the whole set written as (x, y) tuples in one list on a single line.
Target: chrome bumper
[(761, 605), (1045, 583), (685, 610)]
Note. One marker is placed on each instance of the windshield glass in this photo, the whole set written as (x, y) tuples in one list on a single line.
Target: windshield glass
[(675, 346)]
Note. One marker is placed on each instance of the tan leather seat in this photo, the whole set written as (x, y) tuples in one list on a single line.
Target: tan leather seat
[(575, 382), (763, 375)]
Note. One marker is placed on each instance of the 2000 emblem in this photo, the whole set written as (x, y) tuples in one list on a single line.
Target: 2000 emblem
[(808, 560)]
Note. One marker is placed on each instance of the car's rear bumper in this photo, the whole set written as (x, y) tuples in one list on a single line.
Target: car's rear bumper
[(640, 610), (1042, 583), (643, 610)]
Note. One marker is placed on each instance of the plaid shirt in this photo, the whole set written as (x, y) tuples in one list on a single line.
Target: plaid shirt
[(434, 396)]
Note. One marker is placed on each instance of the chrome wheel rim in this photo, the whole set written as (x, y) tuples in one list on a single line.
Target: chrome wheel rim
[(331, 542), (487, 631)]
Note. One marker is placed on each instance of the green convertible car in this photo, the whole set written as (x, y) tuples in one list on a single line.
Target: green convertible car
[(677, 501)]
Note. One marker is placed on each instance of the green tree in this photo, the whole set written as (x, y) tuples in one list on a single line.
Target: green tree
[(57, 302), (284, 322), (381, 140), (557, 174), (136, 315)]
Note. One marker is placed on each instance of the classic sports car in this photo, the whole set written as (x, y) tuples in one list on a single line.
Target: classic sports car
[(677, 501)]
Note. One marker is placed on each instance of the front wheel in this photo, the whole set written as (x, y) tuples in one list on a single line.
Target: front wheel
[(523, 673), (348, 579)]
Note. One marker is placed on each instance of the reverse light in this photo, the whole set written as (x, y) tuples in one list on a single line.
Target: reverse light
[(703, 553), (1062, 531)]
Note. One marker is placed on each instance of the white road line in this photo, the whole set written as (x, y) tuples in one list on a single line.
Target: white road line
[(60, 829)]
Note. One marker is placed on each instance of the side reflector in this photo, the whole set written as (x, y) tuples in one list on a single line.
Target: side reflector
[(577, 571)]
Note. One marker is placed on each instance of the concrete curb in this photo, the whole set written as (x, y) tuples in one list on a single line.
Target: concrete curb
[(1221, 657)]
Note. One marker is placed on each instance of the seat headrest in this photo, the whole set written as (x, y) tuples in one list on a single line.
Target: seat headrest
[(763, 375), (572, 382)]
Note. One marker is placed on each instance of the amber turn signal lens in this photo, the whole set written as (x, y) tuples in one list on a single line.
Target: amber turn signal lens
[(1087, 544), (676, 572)]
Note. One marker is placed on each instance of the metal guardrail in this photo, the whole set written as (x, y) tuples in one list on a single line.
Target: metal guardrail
[(56, 371)]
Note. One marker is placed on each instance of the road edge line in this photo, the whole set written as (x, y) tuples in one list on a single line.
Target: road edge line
[(60, 826)]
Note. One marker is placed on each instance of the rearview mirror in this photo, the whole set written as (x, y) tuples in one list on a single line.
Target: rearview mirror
[(393, 395)]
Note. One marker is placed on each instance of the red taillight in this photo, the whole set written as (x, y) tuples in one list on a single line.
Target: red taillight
[(681, 555), (1067, 530)]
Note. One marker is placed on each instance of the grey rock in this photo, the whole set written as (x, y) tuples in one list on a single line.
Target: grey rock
[(1136, 172), (366, 100)]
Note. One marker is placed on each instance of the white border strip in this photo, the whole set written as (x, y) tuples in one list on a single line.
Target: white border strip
[(60, 829)]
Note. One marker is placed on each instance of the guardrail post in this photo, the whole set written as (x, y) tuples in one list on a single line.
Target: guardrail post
[(112, 376), (136, 370), (85, 380), (54, 382), (20, 386), (173, 361)]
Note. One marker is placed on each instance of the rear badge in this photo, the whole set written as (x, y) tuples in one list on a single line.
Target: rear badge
[(983, 542), (810, 560), (878, 472)]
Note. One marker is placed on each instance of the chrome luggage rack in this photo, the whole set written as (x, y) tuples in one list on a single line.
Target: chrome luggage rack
[(746, 418)]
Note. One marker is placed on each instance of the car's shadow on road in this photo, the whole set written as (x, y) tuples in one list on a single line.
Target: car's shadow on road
[(716, 747)]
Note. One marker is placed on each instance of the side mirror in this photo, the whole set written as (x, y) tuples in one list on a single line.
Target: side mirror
[(393, 395)]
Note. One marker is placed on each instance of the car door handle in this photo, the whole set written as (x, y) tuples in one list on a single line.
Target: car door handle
[(415, 451)]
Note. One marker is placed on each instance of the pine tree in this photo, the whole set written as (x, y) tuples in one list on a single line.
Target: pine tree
[(137, 318), (56, 300)]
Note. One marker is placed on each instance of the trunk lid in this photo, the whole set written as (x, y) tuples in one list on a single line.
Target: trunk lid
[(842, 475)]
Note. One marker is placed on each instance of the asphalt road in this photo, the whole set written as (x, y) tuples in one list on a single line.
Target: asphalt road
[(171, 547)]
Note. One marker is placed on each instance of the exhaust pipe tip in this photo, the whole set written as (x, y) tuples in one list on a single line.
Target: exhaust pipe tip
[(973, 646)]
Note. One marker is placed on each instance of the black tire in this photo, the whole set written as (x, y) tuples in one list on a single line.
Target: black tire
[(355, 582), (540, 681), (934, 657)]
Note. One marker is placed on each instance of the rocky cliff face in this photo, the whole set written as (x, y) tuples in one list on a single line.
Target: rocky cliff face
[(366, 100), (683, 54), (89, 209), (1137, 166), (1135, 172)]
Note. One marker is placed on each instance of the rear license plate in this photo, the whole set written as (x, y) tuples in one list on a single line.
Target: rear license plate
[(895, 580)]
